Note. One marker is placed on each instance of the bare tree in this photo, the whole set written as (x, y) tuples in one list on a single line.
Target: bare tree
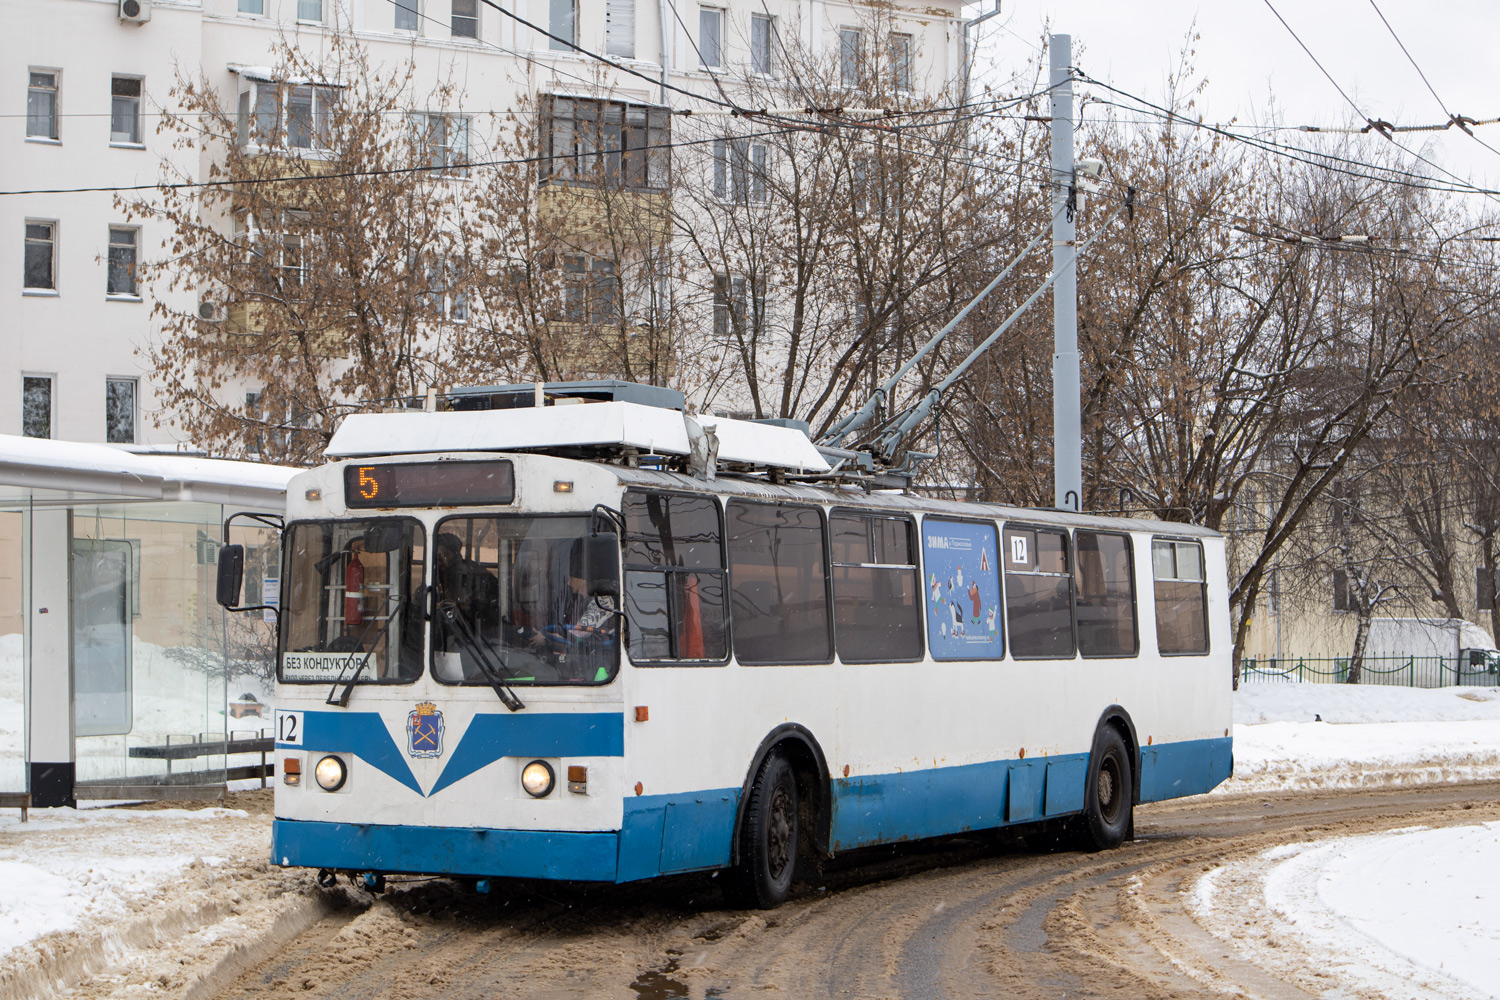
[(323, 255)]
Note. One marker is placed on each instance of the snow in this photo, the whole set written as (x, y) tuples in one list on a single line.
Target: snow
[(1302, 736), (65, 867), (1398, 914), (652, 429), (102, 468)]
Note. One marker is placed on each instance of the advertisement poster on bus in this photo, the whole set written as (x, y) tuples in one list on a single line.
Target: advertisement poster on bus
[(962, 590)]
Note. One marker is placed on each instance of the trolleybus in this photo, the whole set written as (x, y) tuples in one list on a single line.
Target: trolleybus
[(608, 641)]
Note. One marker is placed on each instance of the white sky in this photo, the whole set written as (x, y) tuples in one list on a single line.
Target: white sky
[(1247, 57)]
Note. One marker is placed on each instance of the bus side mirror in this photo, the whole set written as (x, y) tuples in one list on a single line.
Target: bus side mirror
[(231, 574), (601, 556)]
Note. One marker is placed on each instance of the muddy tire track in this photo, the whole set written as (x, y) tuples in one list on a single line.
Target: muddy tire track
[(962, 917)]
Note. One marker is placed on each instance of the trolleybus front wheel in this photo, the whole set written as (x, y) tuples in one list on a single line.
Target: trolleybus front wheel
[(768, 837), (1110, 790)]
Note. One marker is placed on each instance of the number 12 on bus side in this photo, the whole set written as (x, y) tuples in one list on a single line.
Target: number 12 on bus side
[(289, 728)]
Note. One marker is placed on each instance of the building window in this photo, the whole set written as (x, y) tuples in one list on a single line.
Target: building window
[(444, 298), (590, 290), (274, 114), (41, 106), (465, 18), (737, 312), (119, 410), (442, 142), (36, 406), (41, 255), (901, 46), (252, 6), (619, 28), (762, 30), (1343, 595), (1484, 588), (408, 15), (562, 25), (293, 265), (740, 171), (595, 142), (710, 37), (849, 47), (125, 109), (310, 10), (122, 261)]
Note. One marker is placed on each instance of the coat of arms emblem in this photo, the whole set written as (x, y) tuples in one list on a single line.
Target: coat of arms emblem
[(424, 731)]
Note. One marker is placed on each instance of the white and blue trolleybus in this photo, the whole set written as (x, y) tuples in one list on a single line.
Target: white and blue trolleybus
[(608, 640)]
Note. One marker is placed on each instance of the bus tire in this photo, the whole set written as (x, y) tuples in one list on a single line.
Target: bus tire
[(768, 836), (1108, 794)]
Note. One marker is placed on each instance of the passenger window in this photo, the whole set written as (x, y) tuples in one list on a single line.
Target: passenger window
[(780, 588), (674, 578), (1038, 593), (1105, 599), (874, 589), (1181, 596), (962, 590)]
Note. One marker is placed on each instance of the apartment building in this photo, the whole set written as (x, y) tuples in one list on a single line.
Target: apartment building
[(86, 84)]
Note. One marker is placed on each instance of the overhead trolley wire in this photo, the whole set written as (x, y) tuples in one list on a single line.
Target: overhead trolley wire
[(1461, 121), (1325, 161), (1380, 126)]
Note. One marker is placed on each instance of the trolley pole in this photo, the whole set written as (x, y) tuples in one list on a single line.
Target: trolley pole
[(1067, 419)]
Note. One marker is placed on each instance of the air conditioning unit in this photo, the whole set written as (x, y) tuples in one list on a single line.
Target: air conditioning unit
[(210, 312), (138, 11)]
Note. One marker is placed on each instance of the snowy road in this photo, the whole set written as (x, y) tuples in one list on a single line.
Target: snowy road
[(1350, 857)]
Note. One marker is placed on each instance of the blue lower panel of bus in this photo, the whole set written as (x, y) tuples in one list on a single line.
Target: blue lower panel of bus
[(1173, 770), (427, 850), (932, 802), (694, 831)]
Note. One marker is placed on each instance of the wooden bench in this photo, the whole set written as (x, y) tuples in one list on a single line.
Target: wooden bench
[(185, 784)]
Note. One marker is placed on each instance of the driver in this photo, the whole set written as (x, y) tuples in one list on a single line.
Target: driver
[(466, 583), (580, 617)]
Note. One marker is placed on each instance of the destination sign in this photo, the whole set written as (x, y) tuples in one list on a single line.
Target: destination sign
[(429, 484)]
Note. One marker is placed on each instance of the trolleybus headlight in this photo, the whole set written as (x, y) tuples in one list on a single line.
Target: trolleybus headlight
[(331, 773), (537, 778)]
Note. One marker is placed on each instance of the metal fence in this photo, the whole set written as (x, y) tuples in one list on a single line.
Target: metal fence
[(1398, 671)]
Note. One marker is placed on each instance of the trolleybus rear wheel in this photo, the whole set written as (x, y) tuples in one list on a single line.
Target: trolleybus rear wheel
[(1108, 795), (768, 838)]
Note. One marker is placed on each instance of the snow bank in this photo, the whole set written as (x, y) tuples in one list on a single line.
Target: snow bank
[(1306, 736), (66, 867), (1256, 703), (1399, 914)]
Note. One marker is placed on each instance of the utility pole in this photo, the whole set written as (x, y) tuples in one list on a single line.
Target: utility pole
[(1067, 418)]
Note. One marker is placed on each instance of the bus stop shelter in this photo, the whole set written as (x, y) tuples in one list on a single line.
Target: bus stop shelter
[(120, 677)]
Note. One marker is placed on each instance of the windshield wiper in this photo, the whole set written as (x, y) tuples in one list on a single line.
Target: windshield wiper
[(480, 651), (342, 701)]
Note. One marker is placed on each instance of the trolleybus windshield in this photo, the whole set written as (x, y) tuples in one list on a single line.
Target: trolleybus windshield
[(519, 586), (348, 601)]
